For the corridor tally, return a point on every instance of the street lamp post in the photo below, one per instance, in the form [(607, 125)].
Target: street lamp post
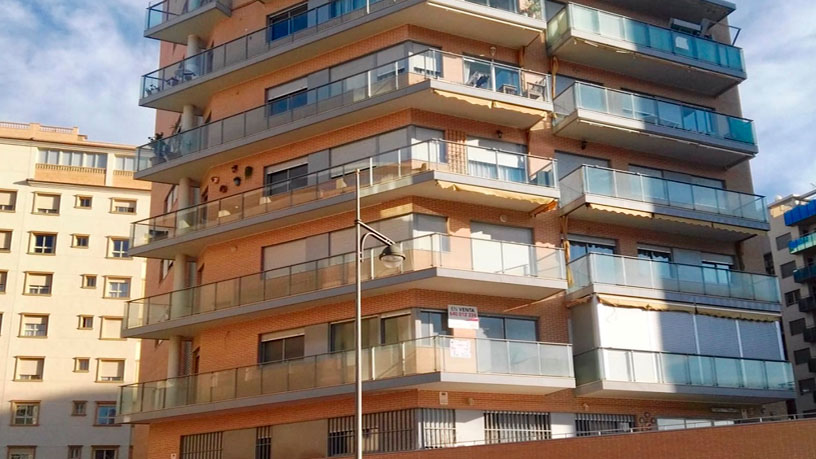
[(391, 257)]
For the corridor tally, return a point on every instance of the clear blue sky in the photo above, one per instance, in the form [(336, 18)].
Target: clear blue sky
[(78, 62)]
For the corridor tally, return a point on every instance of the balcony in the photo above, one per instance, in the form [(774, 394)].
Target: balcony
[(605, 40), (432, 80), (652, 203), (61, 173), (175, 20), (598, 273), (807, 304), (688, 10), (801, 214), (510, 23), (480, 365), (433, 262), (616, 373), (806, 274), (434, 169), (803, 244), (809, 335), (643, 123)]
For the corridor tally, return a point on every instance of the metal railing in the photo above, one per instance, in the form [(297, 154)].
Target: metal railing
[(800, 213), (606, 364), (805, 274), (427, 65), (296, 28), (602, 268), (432, 250), (616, 27), (161, 12), (802, 243), (431, 155), (654, 111), (589, 179), (418, 356)]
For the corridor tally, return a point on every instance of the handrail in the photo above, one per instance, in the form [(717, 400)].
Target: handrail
[(159, 12), (802, 242), (397, 163)]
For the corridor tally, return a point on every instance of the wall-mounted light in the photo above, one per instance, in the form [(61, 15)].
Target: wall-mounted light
[(248, 171), (499, 133)]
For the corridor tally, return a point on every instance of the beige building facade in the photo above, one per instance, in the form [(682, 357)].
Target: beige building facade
[(65, 271)]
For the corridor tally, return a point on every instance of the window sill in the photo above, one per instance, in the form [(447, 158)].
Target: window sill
[(112, 339), (51, 254), (32, 337), (28, 380), (46, 214), (37, 294), (119, 258), (107, 425), (24, 425), (79, 246), (110, 382), (115, 297)]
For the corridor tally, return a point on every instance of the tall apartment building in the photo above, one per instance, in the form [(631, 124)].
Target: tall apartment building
[(575, 175), (66, 204), (792, 240)]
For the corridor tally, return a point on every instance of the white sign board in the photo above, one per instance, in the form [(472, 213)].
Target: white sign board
[(460, 348), (463, 317)]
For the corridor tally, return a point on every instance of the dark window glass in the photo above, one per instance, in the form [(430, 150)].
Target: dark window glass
[(491, 327), (433, 323), (797, 326), (807, 386), (579, 248), (282, 349), (782, 241), (520, 329), (801, 356), (787, 269), (792, 297)]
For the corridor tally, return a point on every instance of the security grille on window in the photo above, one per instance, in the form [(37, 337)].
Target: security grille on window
[(602, 424), (25, 413), (201, 446), (8, 200), (263, 442), (38, 284), (43, 243), (391, 431), (514, 426), (46, 203), (111, 371), (29, 369), (34, 326), (120, 248), (123, 206)]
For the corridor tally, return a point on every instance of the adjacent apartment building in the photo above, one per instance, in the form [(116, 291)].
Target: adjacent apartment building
[(66, 204), (792, 243), (574, 176)]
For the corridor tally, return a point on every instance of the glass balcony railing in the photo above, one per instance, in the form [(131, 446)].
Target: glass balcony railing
[(427, 65), (599, 268), (800, 213), (650, 110), (641, 34), (429, 251), (808, 273), (808, 241), (420, 356), (682, 369), (161, 12), (306, 24), (431, 155), (660, 191)]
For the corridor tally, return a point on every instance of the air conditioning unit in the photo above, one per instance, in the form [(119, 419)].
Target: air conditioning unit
[(684, 26)]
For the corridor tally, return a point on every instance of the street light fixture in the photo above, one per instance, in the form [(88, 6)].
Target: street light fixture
[(391, 257)]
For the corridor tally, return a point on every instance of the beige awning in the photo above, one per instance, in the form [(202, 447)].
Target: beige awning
[(620, 210), (661, 305), (688, 221), (740, 229), (468, 99), (519, 109), (541, 200)]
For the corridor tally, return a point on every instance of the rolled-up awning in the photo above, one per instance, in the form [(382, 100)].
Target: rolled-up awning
[(662, 305), (540, 200), (620, 210), (468, 99)]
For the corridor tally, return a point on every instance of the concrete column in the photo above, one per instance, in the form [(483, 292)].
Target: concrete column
[(193, 45), (173, 386), (188, 117), (193, 66), (184, 190), (184, 219)]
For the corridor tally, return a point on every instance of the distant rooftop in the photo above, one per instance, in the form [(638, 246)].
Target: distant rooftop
[(53, 134)]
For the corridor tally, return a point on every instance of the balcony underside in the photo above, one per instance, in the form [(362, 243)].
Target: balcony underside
[(198, 22), (644, 63), (660, 391), (438, 381), (439, 279), (457, 17), (673, 143), (430, 184), (687, 10), (653, 217), (724, 306), (429, 95)]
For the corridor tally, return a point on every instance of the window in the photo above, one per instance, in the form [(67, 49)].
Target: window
[(105, 414), (802, 356), (797, 326), (82, 364), (782, 241), (43, 243), (512, 426), (600, 424), (125, 163), (807, 386), (580, 246), (21, 452), (79, 408), (433, 323), (75, 452), (34, 326), (84, 202), (769, 264), (104, 452), (276, 350), (85, 322), (111, 328), (568, 162), (792, 297), (165, 268), (5, 240), (507, 328), (342, 334), (288, 21), (80, 241), (8, 200), (73, 158), (29, 369), (283, 180), (38, 283), (119, 247), (390, 431), (3, 280), (25, 413), (786, 270), (109, 370), (45, 203), (396, 329), (89, 281), (123, 206), (171, 198), (117, 288)]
